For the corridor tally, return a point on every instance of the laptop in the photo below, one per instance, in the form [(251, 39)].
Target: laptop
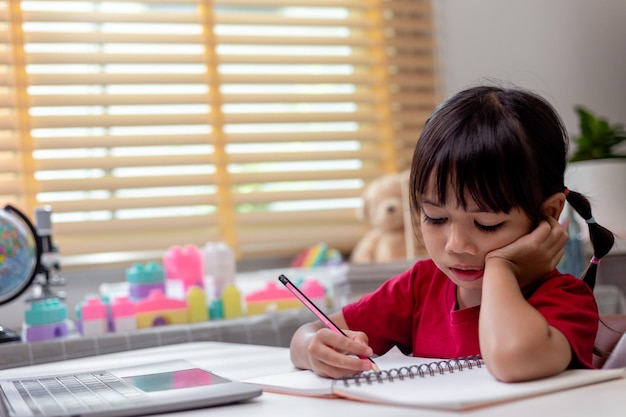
[(125, 391)]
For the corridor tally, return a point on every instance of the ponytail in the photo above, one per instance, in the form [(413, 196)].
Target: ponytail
[(601, 238)]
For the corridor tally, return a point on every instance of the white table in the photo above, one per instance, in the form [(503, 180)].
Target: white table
[(242, 361)]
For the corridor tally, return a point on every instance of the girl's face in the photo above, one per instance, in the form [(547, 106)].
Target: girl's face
[(457, 240)]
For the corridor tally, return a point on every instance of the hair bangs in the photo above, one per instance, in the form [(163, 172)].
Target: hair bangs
[(477, 173), (479, 158)]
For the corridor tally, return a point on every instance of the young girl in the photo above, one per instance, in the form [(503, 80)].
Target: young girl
[(487, 182)]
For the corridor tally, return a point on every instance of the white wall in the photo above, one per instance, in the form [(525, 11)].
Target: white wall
[(570, 51)]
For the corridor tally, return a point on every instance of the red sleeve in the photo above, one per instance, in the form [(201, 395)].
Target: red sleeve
[(568, 304)]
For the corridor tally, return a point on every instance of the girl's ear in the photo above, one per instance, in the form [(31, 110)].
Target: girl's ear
[(553, 205)]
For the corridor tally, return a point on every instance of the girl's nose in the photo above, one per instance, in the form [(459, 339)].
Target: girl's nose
[(459, 241)]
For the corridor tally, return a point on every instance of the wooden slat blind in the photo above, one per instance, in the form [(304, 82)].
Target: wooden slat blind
[(147, 124)]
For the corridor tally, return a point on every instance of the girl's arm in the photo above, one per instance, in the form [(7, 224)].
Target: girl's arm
[(516, 341), (314, 346)]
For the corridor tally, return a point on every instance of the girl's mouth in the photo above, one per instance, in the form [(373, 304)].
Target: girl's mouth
[(468, 275)]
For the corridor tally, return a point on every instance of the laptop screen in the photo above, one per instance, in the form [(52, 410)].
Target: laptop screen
[(165, 381)]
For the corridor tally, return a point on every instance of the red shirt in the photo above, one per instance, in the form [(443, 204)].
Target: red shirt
[(416, 311)]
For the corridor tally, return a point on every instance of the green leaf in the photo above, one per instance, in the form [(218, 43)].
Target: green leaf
[(597, 137)]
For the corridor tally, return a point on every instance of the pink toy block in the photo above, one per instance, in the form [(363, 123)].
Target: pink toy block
[(157, 310), (93, 309), (122, 307), (313, 289), (270, 292), (139, 291), (273, 297), (94, 317), (157, 301), (123, 314), (185, 264)]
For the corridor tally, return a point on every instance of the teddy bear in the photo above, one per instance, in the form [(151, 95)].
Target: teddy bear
[(385, 210)]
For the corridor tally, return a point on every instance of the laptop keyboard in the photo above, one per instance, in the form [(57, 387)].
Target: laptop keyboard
[(76, 393)]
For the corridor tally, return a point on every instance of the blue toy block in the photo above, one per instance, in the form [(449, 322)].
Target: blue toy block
[(151, 272), (216, 310), (47, 311)]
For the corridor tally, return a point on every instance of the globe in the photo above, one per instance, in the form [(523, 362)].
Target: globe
[(18, 256)]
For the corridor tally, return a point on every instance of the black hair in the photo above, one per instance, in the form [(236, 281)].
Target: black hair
[(601, 238), (507, 148)]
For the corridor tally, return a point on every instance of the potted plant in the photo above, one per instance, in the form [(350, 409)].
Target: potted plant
[(598, 169), (598, 138)]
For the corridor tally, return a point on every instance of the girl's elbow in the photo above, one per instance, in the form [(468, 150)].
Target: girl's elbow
[(521, 365), (509, 373), (523, 373)]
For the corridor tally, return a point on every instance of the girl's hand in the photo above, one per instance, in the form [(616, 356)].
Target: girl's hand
[(533, 255), (332, 355)]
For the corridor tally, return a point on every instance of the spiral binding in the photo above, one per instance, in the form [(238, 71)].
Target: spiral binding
[(413, 371)]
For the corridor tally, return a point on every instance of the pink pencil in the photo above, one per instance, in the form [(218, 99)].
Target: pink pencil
[(319, 313)]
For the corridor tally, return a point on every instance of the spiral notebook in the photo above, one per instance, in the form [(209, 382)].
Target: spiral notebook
[(458, 384)]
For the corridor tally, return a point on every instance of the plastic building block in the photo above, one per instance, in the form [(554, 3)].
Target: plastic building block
[(94, 317), (45, 320), (123, 315), (47, 311), (216, 309), (143, 274), (318, 255), (231, 302), (219, 266), (44, 332), (141, 291), (142, 279), (270, 292), (184, 264), (273, 297), (158, 310), (270, 298), (198, 310), (94, 309), (316, 292)]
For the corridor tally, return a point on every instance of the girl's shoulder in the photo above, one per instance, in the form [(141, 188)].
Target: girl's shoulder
[(557, 281), (566, 279), (425, 267), (422, 271), (425, 273)]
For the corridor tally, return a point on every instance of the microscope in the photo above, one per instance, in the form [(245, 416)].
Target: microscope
[(50, 261)]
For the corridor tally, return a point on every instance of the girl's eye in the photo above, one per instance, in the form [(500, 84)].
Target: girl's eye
[(434, 221), (489, 229)]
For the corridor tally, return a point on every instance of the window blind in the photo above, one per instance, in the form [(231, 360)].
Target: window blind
[(148, 124)]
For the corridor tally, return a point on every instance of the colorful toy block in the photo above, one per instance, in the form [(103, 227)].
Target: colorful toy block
[(184, 269), (158, 310), (318, 255), (123, 315), (216, 309), (196, 302), (219, 266), (94, 317), (273, 298), (231, 302), (315, 291), (45, 320), (142, 279)]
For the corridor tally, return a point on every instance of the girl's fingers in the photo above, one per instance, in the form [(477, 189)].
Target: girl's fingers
[(332, 354)]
